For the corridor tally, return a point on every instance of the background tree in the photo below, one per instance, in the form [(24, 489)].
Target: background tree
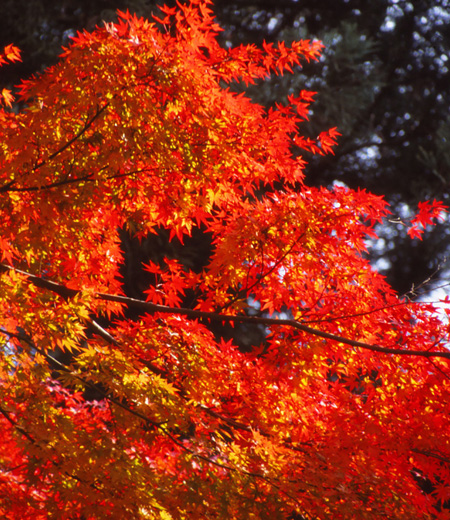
[(344, 406)]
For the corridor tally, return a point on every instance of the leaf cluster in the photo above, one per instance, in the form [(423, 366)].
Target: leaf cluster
[(341, 409)]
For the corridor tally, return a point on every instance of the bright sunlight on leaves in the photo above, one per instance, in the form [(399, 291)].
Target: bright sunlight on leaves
[(114, 407)]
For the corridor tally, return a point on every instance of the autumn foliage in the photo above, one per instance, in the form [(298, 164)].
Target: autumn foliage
[(341, 412)]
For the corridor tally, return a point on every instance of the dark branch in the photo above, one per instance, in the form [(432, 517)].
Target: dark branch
[(86, 126), (66, 293), (152, 307), (52, 185), (14, 424), (9, 185)]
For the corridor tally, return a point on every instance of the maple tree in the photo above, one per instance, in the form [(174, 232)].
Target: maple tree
[(340, 413)]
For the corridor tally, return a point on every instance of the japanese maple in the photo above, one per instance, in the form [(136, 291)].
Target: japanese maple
[(342, 412)]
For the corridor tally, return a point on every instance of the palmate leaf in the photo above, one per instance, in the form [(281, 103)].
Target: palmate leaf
[(428, 212)]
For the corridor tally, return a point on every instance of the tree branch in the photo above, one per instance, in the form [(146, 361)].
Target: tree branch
[(192, 313), (66, 293), (66, 145), (14, 424), (87, 177), (9, 186)]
